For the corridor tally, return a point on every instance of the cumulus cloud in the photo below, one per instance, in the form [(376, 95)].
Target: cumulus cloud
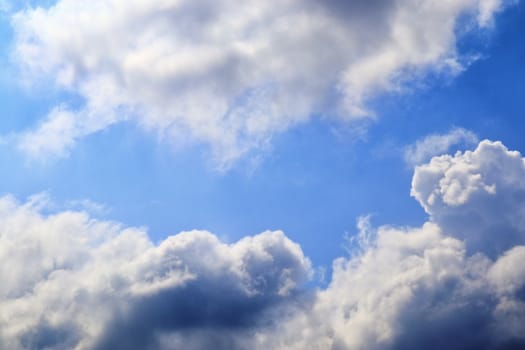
[(456, 282), (476, 196), (437, 144), (414, 289), (229, 73), (69, 281)]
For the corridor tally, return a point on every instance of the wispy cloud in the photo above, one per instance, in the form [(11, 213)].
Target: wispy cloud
[(5, 6), (436, 144), (87, 205)]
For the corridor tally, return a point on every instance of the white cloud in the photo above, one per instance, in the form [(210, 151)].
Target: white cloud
[(456, 282), (67, 279), (88, 206), (228, 73), (414, 289), (476, 195), (437, 144)]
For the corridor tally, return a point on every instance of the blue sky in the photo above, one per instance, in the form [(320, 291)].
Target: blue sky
[(334, 153), (314, 182)]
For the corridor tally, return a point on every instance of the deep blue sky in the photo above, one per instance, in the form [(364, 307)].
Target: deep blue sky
[(313, 184)]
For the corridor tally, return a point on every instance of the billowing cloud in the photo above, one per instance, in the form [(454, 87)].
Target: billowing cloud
[(415, 289), (436, 144), (456, 282), (229, 73), (69, 281), (477, 196)]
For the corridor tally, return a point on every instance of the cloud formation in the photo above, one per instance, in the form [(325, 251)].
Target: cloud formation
[(226, 73), (476, 196), (69, 281), (436, 144), (456, 282)]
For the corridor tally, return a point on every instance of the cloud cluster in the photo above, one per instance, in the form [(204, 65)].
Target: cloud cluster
[(415, 289), (71, 282), (456, 282), (226, 73)]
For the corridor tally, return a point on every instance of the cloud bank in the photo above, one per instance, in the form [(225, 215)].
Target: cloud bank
[(456, 282), (226, 73), (71, 282)]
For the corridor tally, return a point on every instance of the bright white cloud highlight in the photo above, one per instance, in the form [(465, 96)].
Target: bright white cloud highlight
[(229, 73)]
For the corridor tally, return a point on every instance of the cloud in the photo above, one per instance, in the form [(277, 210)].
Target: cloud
[(412, 289), (225, 73), (437, 144), (55, 135), (89, 206), (476, 196), (69, 281), (456, 282)]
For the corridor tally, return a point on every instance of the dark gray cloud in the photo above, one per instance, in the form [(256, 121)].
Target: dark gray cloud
[(372, 11), (212, 305), (46, 336)]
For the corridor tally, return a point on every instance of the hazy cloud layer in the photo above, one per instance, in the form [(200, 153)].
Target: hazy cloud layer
[(456, 282), (4, 6), (226, 73)]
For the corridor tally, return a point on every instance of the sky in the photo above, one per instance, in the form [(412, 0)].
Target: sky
[(299, 174)]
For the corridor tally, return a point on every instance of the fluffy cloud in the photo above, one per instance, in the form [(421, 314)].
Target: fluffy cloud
[(72, 282), (229, 73), (69, 281), (457, 282), (414, 289), (477, 196)]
